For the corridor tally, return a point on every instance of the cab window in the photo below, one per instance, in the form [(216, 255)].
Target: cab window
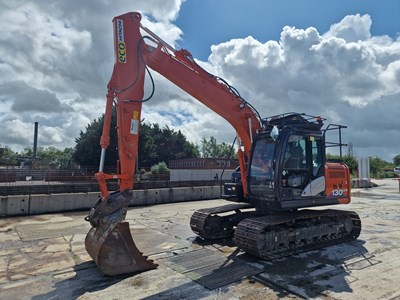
[(295, 153)]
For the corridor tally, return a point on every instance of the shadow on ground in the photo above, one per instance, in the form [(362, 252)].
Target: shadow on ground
[(84, 278), (320, 272)]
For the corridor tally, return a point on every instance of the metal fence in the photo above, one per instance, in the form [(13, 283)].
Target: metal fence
[(24, 181)]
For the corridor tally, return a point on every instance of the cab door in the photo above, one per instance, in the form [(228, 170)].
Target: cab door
[(302, 167)]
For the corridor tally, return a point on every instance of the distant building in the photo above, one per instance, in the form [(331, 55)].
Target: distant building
[(203, 163), (198, 169)]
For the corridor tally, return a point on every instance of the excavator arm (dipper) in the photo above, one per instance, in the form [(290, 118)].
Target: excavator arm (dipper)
[(109, 242)]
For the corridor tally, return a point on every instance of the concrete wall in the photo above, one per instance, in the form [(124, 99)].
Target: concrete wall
[(38, 204), (362, 183), (14, 205), (197, 175)]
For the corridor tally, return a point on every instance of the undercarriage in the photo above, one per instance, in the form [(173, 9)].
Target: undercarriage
[(278, 235)]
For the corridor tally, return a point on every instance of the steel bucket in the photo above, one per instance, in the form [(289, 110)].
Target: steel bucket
[(109, 242)]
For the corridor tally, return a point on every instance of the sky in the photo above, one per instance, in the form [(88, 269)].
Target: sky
[(335, 58)]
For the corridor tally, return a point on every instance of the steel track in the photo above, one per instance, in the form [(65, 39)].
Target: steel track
[(276, 236), (209, 225)]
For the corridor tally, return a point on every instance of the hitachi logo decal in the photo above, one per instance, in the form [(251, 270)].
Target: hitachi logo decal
[(120, 30)]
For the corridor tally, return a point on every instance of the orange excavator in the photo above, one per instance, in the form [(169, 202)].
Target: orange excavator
[(283, 166)]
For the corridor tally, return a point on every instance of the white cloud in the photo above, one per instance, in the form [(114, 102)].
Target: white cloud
[(42, 50), (56, 59), (345, 74), (27, 98), (352, 28)]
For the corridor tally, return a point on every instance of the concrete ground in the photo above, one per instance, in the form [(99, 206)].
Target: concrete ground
[(43, 257)]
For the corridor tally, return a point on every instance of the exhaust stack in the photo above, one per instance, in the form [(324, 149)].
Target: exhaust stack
[(35, 138)]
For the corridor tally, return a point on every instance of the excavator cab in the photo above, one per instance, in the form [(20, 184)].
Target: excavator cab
[(287, 168)]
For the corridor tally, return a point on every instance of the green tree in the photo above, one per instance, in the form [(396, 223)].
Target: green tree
[(352, 163), (87, 148), (7, 156), (211, 148), (148, 150), (155, 145), (59, 158), (27, 152), (396, 160), (163, 144), (63, 158), (160, 168), (377, 165)]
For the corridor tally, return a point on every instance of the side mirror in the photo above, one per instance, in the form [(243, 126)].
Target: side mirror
[(274, 133)]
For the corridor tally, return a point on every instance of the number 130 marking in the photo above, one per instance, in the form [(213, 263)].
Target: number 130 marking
[(337, 193)]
